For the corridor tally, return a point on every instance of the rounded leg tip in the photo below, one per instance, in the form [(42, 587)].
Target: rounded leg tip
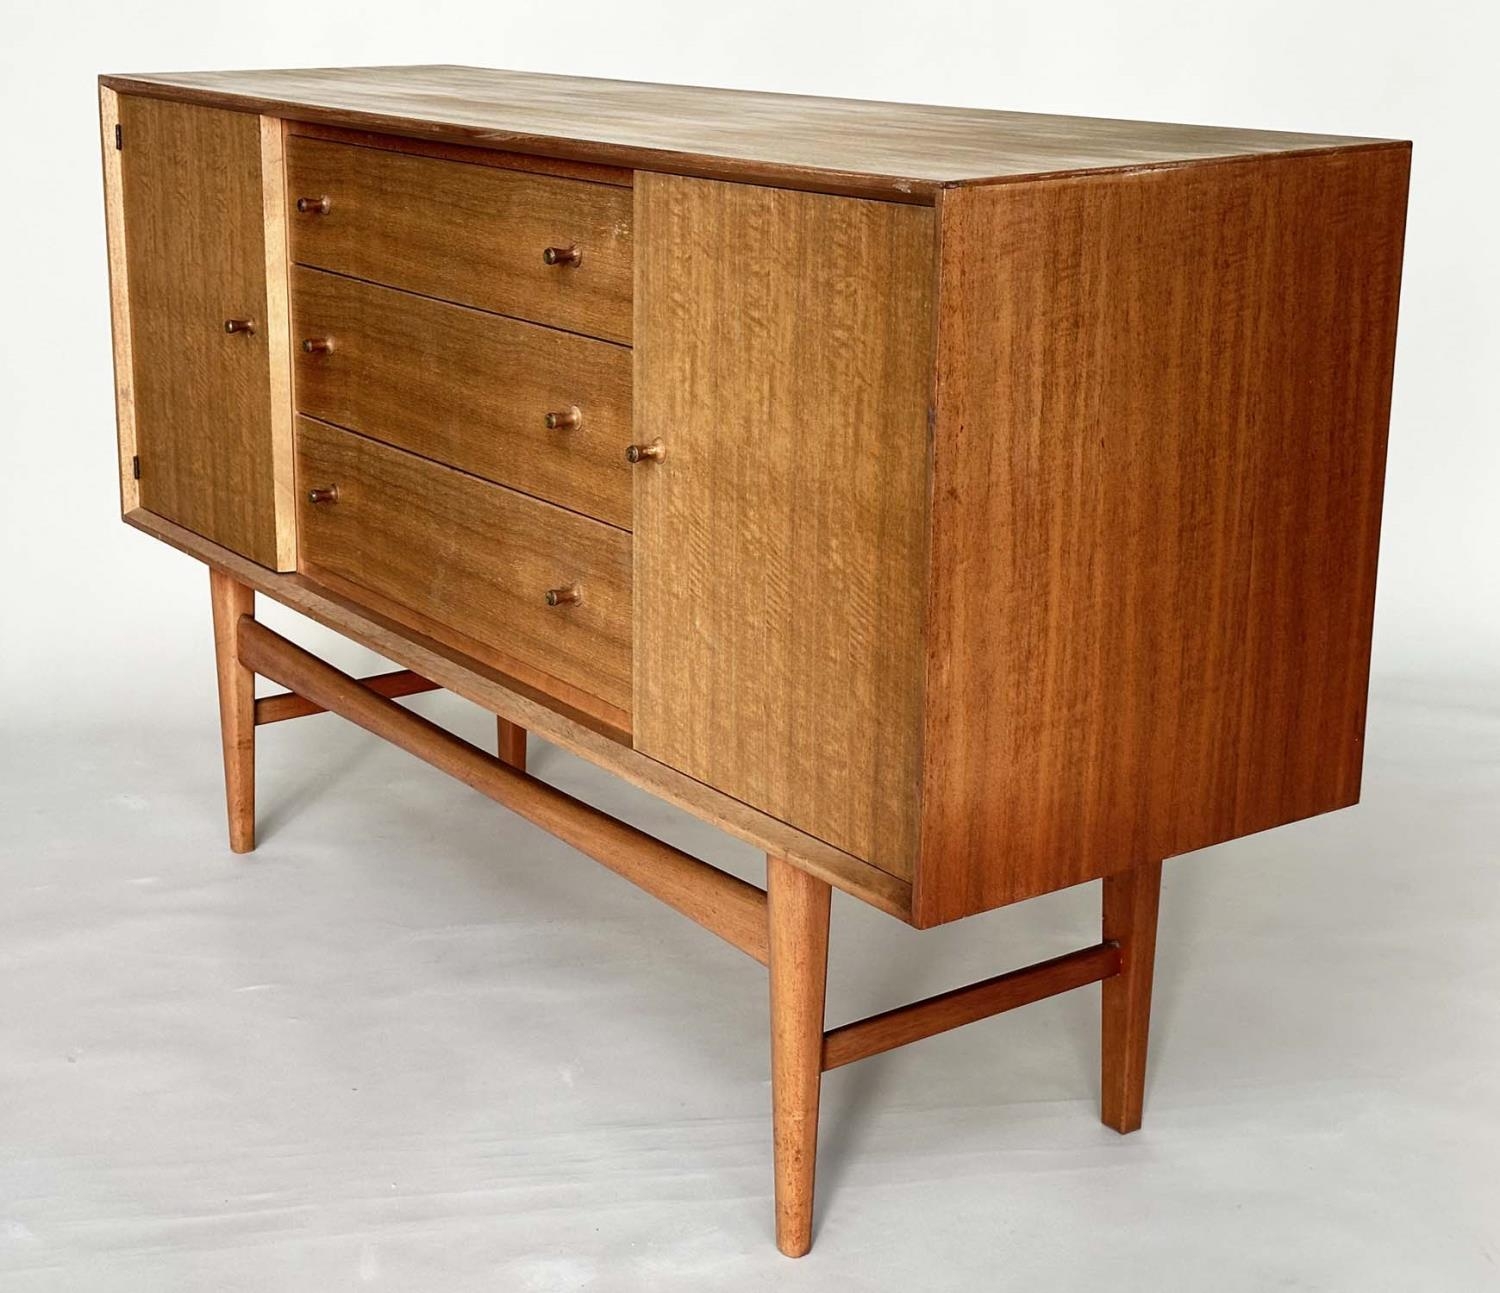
[(794, 1245)]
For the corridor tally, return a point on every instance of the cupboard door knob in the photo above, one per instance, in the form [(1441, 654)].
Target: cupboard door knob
[(318, 345), (564, 596), (246, 326), (313, 206), (568, 419), (323, 494), (563, 256), (654, 452)]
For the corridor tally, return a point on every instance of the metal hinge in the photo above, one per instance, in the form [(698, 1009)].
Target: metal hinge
[(135, 466), (119, 138)]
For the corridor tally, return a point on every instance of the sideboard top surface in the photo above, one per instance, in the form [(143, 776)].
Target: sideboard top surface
[(850, 146)]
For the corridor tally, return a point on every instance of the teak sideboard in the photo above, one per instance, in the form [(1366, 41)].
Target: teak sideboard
[(956, 505)]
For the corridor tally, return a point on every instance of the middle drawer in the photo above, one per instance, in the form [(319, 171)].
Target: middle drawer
[(467, 388)]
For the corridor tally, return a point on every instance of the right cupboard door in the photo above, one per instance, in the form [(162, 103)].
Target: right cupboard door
[(783, 361)]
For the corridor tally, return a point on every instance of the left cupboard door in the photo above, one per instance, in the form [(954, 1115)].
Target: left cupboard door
[(196, 207)]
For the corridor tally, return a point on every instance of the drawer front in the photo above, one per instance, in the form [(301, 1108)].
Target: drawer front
[(469, 556), (468, 388), (465, 232)]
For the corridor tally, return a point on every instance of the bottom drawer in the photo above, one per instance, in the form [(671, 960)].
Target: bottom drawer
[(475, 557)]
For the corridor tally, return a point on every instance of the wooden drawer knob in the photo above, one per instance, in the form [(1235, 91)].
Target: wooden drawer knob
[(568, 419), (247, 326), (653, 452), (318, 345), (562, 256), (313, 206), (323, 494), (564, 596)]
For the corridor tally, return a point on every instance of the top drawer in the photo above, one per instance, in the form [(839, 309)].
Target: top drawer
[(465, 232)]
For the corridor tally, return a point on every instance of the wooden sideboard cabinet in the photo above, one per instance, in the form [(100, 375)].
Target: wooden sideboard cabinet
[(955, 505)]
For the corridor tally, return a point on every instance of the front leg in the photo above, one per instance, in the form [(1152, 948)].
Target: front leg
[(797, 907), (231, 600), (1131, 901)]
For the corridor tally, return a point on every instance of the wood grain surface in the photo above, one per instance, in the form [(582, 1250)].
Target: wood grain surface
[(510, 744), (228, 601), (783, 358), (499, 693), (797, 908), (522, 674), (463, 553), (471, 234), (1132, 901), (1162, 404), (621, 175), (212, 409), (894, 150), (468, 388), (119, 298)]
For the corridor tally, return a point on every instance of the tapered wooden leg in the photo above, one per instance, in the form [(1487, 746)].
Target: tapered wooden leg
[(512, 743), (1131, 899), (797, 905), (236, 708)]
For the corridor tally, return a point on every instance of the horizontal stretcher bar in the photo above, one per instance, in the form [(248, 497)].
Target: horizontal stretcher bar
[(279, 708), (721, 903), (893, 1028)]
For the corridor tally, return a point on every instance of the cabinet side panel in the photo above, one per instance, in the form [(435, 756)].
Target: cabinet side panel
[(1162, 404), (783, 358), (195, 234)]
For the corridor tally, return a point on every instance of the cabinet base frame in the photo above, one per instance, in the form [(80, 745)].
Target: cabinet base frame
[(784, 927)]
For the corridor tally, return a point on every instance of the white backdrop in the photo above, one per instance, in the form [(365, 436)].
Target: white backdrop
[(101, 620), (412, 1044)]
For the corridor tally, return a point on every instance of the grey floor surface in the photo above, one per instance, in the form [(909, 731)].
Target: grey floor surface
[(414, 1044)]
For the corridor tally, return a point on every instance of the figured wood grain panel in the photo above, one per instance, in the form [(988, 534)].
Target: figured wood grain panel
[(471, 556), (465, 233), (468, 388), (783, 359), (1162, 404), (212, 409), (899, 151)]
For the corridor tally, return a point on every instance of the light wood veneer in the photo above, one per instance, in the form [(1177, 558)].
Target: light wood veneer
[(472, 234), (471, 556), (467, 388), (784, 349), (210, 409)]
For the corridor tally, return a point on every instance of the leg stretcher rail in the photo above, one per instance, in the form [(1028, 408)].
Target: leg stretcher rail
[(784, 926)]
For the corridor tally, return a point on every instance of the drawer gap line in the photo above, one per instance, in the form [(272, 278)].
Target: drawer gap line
[(448, 466), (465, 305)]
